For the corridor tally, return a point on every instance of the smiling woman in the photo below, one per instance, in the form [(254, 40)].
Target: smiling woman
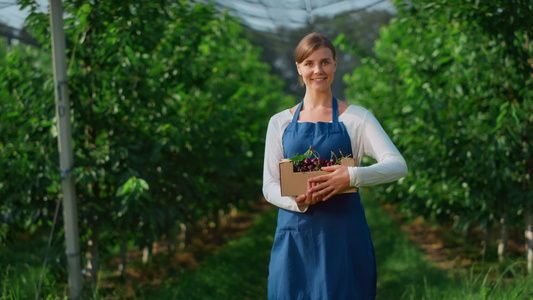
[(322, 248), (312, 51), (318, 69)]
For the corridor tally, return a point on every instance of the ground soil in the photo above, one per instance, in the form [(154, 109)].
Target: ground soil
[(167, 261), (447, 247), (442, 245)]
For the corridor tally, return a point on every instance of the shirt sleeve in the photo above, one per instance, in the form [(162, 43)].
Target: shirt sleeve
[(369, 138), (273, 154)]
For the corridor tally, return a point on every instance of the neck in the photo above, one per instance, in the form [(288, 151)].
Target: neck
[(315, 99)]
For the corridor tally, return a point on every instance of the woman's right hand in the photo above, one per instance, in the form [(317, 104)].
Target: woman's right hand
[(307, 198)]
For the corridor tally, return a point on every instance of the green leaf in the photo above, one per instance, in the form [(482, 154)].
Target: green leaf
[(298, 158), (501, 116), (459, 90)]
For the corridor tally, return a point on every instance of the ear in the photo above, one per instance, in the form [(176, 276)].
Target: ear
[(298, 68)]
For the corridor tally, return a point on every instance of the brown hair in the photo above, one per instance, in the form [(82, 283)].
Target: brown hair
[(308, 44)]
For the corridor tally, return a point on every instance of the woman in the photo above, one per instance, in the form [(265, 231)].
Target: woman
[(322, 247)]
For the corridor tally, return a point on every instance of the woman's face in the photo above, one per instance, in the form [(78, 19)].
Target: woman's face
[(318, 69)]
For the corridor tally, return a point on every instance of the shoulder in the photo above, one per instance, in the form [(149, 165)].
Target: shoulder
[(342, 106), (293, 109), (281, 118), (354, 113)]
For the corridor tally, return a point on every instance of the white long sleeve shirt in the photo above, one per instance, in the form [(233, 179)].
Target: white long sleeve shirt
[(367, 138)]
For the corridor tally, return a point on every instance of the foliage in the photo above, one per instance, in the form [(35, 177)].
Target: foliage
[(455, 95), (29, 181), (238, 271), (169, 105)]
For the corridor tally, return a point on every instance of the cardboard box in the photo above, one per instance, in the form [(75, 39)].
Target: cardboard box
[(295, 183)]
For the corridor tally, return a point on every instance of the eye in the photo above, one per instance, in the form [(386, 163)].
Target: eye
[(309, 64), (326, 62)]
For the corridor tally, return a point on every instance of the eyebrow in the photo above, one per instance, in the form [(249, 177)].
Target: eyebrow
[(323, 59)]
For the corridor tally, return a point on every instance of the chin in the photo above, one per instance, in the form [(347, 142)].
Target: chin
[(323, 88)]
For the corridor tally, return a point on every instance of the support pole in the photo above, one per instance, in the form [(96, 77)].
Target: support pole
[(529, 239), (70, 213)]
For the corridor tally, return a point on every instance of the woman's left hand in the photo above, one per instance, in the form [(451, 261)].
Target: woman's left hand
[(326, 186)]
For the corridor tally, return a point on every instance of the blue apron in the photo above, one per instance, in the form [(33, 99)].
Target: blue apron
[(326, 252)]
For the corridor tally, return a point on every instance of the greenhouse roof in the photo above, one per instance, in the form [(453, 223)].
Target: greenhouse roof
[(270, 15), (263, 15)]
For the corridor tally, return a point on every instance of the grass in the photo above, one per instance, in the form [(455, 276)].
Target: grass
[(21, 269), (402, 270), (239, 270)]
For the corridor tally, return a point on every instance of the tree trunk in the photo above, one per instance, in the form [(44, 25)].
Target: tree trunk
[(529, 239), (93, 243), (504, 235), (486, 240), (465, 231), (182, 237), (146, 254), (92, 255), (171, 242), (123, 252)]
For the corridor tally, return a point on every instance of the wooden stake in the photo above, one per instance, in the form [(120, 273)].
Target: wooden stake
[(70, 213)]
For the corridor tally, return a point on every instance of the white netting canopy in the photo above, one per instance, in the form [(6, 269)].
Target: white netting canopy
[(263, 15), (270, 15)]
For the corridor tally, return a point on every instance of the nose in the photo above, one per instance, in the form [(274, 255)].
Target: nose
[(318, 69)]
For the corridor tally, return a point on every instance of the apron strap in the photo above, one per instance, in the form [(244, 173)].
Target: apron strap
[(334, 111), (297, 113)]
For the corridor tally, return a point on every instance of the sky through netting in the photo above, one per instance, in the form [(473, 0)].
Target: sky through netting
[(263, 15)]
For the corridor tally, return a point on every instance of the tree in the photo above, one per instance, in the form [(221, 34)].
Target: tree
[(170, 107), (459, 107)]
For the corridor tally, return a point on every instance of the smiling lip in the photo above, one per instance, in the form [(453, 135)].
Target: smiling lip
[(319, 79)]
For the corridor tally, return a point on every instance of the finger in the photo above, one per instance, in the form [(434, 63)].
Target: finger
[(318, 179), (317, 187), (300, 198), (330, 168), (326, 197), (325, 193), (320, 198), (318, 195), (309, 198)]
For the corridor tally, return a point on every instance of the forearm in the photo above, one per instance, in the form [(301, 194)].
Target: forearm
[(388, 170), (272, 193), (271, 175)]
